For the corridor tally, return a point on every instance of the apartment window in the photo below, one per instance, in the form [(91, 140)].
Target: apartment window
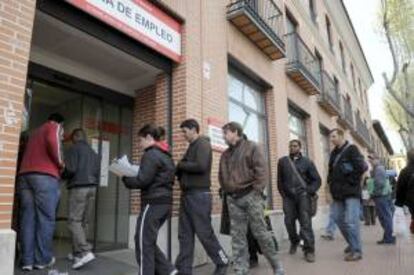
[(246, 106), (336, 83), (329, 32), (343, 63), (360, 89), (312, 10), (319, 59), (297, 128), (291, 23), (326, 146), (353, 76)]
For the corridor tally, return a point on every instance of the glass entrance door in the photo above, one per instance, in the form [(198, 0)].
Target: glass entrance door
[(108, 127)]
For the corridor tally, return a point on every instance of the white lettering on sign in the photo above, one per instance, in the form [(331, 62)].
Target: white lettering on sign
[(216, 136), (140, 20)]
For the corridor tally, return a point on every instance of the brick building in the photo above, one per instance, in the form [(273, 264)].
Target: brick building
[(284, 69)]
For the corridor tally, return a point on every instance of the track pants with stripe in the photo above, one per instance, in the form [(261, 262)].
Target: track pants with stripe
[(150, 258), (195, 220)]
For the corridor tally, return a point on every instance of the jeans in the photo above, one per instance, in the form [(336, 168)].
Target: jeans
[(39, 197), (331, 227), (81, 203), (385, 215), (346, 213)]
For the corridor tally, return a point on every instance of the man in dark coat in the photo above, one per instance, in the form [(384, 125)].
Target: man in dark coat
[(298, 180), (194, 173), (346, 167), (405, 187)]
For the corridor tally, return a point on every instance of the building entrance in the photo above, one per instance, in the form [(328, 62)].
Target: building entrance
[(109, 127)]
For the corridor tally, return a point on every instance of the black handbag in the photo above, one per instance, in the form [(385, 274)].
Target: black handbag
[(313, 198), (225, 217)]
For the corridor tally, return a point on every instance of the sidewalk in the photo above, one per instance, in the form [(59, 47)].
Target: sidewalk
[(378, 260)]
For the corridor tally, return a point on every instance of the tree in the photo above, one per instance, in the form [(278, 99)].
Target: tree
[(397, 22)]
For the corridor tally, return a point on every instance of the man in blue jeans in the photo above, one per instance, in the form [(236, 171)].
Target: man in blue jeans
[(382, 198), (346, 167), (38, 187)]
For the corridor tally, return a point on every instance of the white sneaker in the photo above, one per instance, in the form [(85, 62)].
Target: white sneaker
[(27, 268), (50, 264), (83, 261)]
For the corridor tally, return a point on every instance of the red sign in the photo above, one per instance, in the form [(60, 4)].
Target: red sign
[(140, 20)]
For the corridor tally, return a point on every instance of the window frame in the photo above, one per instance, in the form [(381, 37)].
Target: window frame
[(303, 116)]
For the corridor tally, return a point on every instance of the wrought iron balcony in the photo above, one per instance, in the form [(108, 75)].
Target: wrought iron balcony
[(361, 131), (302, 66), (346, 117), (262, 22), (329, 97)]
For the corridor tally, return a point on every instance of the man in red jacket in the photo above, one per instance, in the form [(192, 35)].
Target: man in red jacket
[(38, 186)]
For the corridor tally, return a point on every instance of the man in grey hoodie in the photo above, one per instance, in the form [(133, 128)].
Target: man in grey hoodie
[(382, 198)]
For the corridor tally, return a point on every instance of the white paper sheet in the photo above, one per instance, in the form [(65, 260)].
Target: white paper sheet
[(122, 167)]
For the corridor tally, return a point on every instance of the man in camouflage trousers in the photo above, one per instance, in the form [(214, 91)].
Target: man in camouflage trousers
[(243, 176)]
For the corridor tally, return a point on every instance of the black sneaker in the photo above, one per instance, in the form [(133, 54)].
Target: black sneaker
[(310, 257), (293, 249), (353, 257), (383, 242), (221, 270), (327, 237), (254, 263)]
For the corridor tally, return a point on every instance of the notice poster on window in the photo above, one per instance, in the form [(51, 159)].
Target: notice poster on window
[(216, 134), (103, 182)]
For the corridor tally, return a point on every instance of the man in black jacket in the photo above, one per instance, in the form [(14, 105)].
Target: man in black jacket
[(405, 187), (346, 167), (82, 171), (194, 172), (298, 181)]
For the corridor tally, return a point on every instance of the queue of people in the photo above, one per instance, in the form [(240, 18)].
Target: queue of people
[(243, 177)]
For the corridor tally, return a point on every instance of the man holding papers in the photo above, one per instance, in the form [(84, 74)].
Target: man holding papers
[(155, 180)]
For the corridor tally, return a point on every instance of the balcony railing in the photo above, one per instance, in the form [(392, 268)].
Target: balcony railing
[(302, 66), (262, 22), (362, 130), (346, 117), (329, 98)]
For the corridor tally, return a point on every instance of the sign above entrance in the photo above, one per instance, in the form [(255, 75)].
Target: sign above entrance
[(140, 20)]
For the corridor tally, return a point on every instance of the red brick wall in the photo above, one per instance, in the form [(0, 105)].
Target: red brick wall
[(16, 23)]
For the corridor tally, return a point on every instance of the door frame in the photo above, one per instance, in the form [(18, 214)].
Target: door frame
[(37, 74)]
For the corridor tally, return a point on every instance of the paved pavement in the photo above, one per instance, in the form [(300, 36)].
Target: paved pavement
[(378, 260)]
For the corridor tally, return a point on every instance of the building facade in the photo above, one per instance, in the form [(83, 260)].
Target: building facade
[(283, 69)]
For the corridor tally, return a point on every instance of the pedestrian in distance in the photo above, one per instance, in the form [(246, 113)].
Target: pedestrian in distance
[(194, 174), (243, 177), (298, 183), (82, 167), (39, 192), (155, 179), (381, 194), (346, 167)]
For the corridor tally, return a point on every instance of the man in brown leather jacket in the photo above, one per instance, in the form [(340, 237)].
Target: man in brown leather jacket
[(243, 176)]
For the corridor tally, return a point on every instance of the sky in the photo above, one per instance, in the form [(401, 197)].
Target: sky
[(364, 16)]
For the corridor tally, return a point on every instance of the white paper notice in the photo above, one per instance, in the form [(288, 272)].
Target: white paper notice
[(104, 160), (122, 167)]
